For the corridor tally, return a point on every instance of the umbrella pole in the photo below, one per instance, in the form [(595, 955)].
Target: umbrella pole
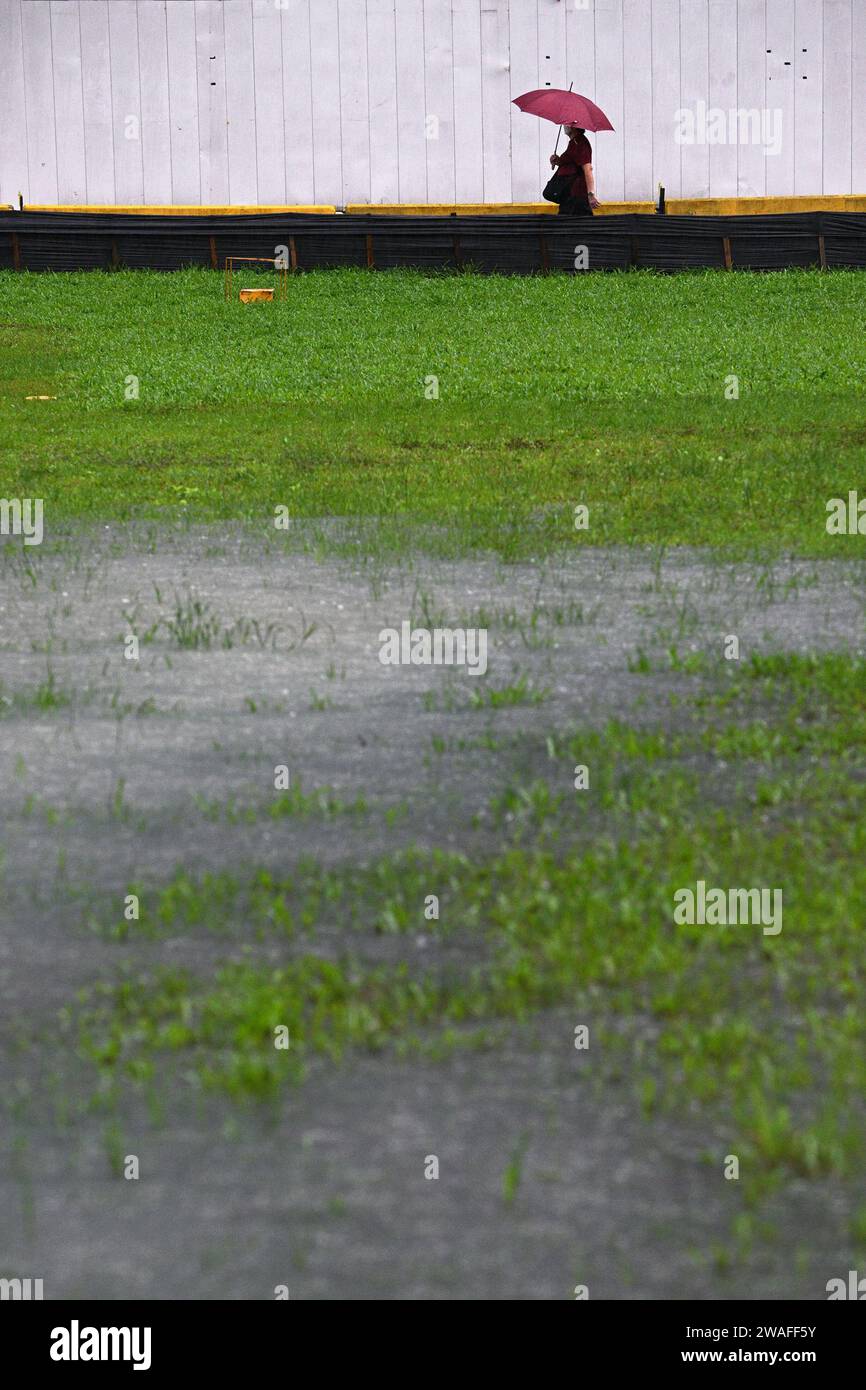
[(559, 132)]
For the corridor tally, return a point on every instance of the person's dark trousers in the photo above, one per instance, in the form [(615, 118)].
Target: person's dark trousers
[(575, 207)]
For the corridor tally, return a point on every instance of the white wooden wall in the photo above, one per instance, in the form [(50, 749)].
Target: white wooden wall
[(325, 101)]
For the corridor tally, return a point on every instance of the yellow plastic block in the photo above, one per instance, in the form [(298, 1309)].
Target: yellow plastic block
[(253, 296)]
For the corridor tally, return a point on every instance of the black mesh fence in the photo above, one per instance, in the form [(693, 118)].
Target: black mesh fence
[(504, 244)]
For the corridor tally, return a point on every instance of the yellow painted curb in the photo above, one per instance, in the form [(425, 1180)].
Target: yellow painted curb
[(739, 207), (676, 207), (446, 209), (174, 210)]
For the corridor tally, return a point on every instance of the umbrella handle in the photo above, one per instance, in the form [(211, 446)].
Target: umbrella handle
[(559, 132)]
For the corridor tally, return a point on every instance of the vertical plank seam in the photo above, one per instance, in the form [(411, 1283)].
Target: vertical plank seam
[(340, 103), (424, 70), (537, 49), (81, 87), (367, 85), (54, 102), (168, 97), (397, 106), (24, 99), (203, 152), (737, 94), (111, 103), (140, 104), (312, 112), (255, 103), (823, 171), (851, 109), (453, 105), (766, 66), (283, 107), (483, 121), (228, 122)]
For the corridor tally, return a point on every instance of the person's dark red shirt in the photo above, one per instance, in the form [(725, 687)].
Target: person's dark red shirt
[(577, 153)]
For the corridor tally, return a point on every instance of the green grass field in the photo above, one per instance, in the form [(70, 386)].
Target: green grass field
[(606, 390)]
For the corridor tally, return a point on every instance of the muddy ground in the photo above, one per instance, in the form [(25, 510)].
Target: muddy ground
[(107, 778)]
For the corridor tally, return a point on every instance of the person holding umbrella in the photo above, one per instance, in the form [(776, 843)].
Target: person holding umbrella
[(573, 184), (579, 198)]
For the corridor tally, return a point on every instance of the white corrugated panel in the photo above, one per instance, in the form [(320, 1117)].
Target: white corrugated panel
[(183, 102), (838, 38), (125, 101), (212, 111), (694, 94), (781, 96), (496, 100), (155, 111), (382, 68), (68, 103), (722, 95), (96, 89), (39, 101), (271, 101)]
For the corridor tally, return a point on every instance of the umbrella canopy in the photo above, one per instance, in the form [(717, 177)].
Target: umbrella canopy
[(563, 108)]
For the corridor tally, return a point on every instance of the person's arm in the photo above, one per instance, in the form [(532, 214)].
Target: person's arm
[(589, 175), (567, 156)]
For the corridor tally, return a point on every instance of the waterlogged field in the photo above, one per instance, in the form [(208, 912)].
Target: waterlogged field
[(370, 980), (491, 404)]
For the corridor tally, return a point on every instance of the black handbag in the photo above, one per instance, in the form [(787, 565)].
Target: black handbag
[(557, 189)]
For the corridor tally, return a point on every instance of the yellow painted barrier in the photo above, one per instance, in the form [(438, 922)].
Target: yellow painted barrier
[(173, 210), (743, 207), (676, 207), (446, 209)]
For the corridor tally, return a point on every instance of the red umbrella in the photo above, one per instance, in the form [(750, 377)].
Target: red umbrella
[(563, 108)]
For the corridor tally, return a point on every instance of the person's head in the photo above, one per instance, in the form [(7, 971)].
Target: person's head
[(574, 132)]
